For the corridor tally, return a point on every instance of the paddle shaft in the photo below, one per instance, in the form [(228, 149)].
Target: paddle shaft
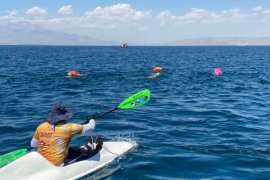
[(105, 113), (102, 114)]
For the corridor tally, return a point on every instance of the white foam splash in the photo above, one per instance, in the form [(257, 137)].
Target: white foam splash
[(128, 137)]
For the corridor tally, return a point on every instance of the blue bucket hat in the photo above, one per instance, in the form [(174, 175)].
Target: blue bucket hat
[(59, 113)]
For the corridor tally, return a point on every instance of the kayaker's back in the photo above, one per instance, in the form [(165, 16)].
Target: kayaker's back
[(53, 141)]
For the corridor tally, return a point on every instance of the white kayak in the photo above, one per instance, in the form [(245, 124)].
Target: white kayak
[(33, 166)]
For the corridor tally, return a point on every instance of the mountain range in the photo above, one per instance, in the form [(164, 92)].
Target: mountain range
[(24, 33), (221, 41)]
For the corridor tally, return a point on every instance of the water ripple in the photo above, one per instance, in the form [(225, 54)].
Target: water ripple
[(196, 125)]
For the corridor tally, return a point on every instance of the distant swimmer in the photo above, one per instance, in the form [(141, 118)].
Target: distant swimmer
[(217, 71), (73, 74), (157, 69), (154, 75)]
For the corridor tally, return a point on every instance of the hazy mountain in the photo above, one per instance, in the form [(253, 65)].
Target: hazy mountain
[(220, 41), (24, 33)]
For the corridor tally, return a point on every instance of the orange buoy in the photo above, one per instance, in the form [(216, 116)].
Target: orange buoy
[(73, 73), (157, 69)]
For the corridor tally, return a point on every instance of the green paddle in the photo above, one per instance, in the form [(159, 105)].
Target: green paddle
[(134, 101), (9, 157)]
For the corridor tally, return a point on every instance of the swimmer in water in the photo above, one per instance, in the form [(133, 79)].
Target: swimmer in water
[(73, 74), (157, 71)]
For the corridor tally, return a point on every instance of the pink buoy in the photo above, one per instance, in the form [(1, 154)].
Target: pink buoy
[(217, 71)]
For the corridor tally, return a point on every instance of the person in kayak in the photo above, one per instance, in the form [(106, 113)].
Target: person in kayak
[(54, 136)]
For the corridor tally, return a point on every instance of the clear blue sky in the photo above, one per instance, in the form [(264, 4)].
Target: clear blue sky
[(155, 5), (144, 20)]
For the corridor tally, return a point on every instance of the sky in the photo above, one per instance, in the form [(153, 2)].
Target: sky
[(143, 21)]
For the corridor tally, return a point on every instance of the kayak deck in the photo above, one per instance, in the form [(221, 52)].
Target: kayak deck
[(33, 166)]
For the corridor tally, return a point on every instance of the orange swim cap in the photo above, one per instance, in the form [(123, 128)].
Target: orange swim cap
[(157, 69), (73, 73)]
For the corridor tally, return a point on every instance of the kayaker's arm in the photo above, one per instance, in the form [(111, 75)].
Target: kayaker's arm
[(89, 127), (34, 142)]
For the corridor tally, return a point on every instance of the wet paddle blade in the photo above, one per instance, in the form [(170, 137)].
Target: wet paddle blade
[(9, 157), (136, 100)]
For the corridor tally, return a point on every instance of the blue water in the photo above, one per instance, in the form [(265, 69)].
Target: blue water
[(196, 125)]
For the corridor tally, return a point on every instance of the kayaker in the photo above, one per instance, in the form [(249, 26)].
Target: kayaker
[(53, 137)]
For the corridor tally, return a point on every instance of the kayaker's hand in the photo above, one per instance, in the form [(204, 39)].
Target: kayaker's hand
[(90, 126), (92, 122)]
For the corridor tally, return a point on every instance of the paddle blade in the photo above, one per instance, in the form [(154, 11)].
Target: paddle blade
[(136, 100), (9, 157)]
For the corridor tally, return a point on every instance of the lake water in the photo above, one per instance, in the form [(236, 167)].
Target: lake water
[(196, 125)]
